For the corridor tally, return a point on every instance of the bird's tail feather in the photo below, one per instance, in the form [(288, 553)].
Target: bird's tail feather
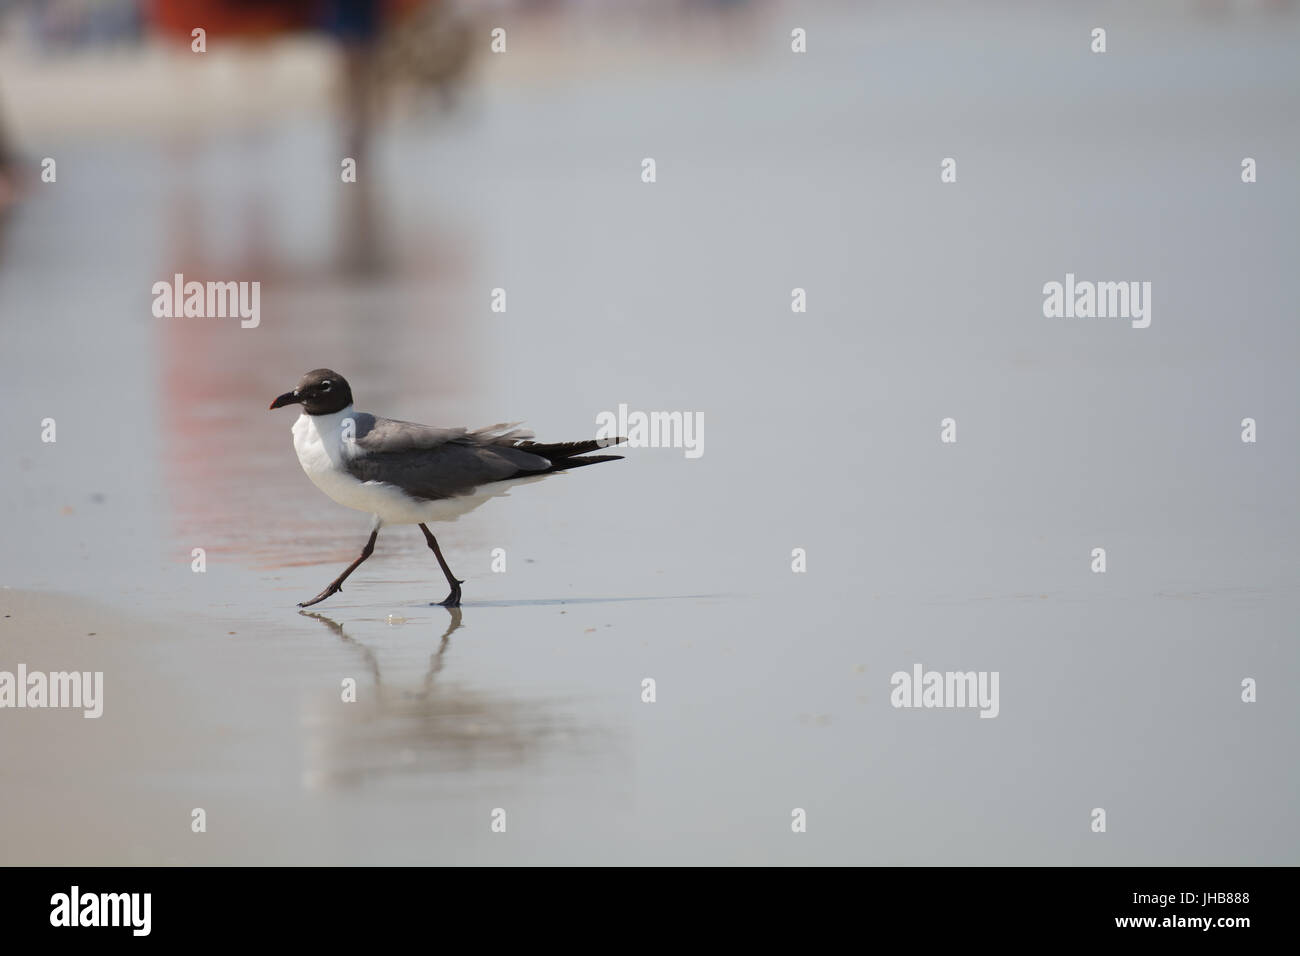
[(568, 449), (568, 454)]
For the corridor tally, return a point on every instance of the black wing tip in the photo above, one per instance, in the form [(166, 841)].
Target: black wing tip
[(579, 460), (564, 464), (566, 449)]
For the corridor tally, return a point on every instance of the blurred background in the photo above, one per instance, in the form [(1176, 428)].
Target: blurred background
[(521, 170)]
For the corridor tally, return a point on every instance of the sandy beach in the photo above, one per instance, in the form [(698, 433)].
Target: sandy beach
[(167, 535)]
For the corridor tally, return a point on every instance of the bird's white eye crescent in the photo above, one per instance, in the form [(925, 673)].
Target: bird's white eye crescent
[(325, 386)]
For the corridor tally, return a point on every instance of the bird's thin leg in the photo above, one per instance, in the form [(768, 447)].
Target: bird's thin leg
[(452, 599), (337, 583)]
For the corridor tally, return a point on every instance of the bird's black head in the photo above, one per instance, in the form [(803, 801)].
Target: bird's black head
[(321, 391)]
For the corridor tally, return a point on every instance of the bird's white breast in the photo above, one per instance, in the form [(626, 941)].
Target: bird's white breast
[(318, 440)]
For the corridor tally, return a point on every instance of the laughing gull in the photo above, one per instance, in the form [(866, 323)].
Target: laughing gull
[(404, 473)]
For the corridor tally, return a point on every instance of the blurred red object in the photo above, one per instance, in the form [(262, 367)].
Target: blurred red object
[(237, 18), (268, 18)]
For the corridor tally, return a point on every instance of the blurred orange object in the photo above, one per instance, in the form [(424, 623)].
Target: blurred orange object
[(267, 18), (229, 18)]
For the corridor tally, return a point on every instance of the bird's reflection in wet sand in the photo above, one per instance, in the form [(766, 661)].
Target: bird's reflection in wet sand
[(400, 729)]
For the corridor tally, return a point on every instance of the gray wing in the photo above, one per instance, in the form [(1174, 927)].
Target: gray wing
[(430, 462)]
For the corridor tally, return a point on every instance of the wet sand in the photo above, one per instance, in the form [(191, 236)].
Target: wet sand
[(112, 790)]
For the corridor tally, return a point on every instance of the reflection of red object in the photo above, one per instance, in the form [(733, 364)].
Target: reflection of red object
[(230, 17)]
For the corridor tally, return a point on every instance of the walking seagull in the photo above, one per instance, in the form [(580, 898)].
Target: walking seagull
[(404, 473)]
